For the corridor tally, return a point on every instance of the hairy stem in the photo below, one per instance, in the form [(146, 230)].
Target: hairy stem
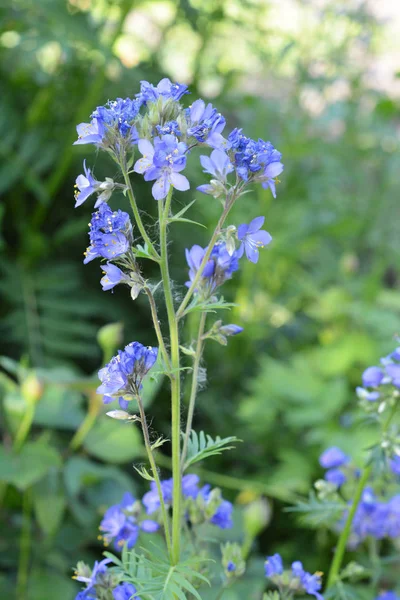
[(217, 231), (136, 214), (344, 536), (154, 469), (87, 423), (175, 379), (193, 390), (157, 328)]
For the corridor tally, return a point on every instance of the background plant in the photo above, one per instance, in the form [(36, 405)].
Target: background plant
[(327, 290)]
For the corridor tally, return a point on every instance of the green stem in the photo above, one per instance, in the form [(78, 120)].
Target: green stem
[(150, 456), (217, 231), (193, 391), (24, 427), (157, 328), (86, 424), (25, 547), (175, 379), (342, 543), (136, 213)]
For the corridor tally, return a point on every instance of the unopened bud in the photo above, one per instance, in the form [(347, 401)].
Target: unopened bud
[(256, 516), (109, 337), (32, 389)]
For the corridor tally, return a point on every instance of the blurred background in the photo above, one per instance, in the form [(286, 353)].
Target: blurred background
[(318, 78)]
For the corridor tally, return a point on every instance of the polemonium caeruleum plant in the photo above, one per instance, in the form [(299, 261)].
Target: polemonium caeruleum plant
[(153, 135)]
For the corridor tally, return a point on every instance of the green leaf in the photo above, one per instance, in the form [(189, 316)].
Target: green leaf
[(201, 446), (209, 306), (114, 441), (184, 209), (34, 461), (179, 220), (59, 408), (49, 502)]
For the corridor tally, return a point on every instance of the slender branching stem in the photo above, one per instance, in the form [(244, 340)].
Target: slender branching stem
[(175, 379), (136, 214), (157, 328), (25, 426), (194, 284), (156, 476), (344, 536), (87, 423), (193, 390)]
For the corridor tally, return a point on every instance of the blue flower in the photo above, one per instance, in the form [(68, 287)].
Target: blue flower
[(90, 133), (163, 163), (388, 595), (396, 354), (110, 234), (230, 329), (219, 166), (273, 565), (164, 90), (124, 374), (335, 476), (310, 583), (85, 184), (112, 276), (333, 457), (119, 524), (125, 591), (205, 124), (218, 269), (151, 499), (395, 465), (255, 160), (117, 116), (222, 518), (394, 373), (231, 567), (91, 578), (364, 394), (372, 377), (253, 238), (170, 127)]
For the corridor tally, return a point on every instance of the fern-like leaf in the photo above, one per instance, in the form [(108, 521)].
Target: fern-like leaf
[(201, 446)]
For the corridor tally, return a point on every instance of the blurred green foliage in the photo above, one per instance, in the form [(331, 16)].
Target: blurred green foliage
[(322, 303)]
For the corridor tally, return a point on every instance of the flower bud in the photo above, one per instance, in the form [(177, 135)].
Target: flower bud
[(31, 388), (109, 337), (256, 516), (232, 560)]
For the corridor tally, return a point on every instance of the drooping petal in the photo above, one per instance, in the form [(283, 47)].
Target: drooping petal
[(216, 140), (160, 188), (197, 110), (221, 162), (206, 188), (207, 165), (273, 169), (180, 182), (252, 252)]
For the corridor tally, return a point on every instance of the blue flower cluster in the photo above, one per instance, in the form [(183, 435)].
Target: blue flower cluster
[(218, 269), (165, 132), (335, 461), (376, 518), (379, 382), (122, 377), (256, 160), (110, 234), (99, 581), (388, 595), (203, 504), (297, 580)]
